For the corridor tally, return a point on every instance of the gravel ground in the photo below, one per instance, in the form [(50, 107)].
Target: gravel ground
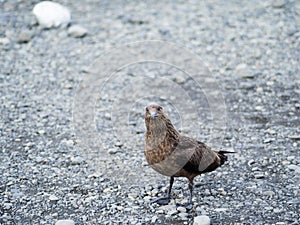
[(252, 51)]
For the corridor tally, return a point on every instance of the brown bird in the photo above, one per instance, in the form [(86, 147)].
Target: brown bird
[(174, 155)]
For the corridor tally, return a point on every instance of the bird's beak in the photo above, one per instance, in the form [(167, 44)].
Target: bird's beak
[(153, 114)]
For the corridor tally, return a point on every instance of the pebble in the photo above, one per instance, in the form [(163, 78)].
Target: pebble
[(269, 140), (201, 220), (94, 175), (77, 31), (179, 79), (154, 219), (259, 175), (259, 89), (172, 212), (7, 205), (291, 157), (183, 215), (51, 14), (221, 209), (269, 193), (241, 66), (294, 137), (69, 142), (113, 151), (279, 4), (65, 222), (285, 162), (53, 198), (294, 167), (181, 209), (147, 198), (76, 160), (277, 210), (41, 132), (24, 36), (4, 41), (250, 162), (118, 144)]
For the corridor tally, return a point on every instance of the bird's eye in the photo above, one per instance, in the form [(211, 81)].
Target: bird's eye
[(159, 108), (147, 110)]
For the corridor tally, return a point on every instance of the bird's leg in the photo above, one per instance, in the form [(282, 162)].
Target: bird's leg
[(189, 205), (164, 200)]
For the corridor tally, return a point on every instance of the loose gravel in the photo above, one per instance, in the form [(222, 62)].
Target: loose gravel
[(252, 50)]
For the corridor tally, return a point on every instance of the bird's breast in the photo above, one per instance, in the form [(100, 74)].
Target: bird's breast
[(162, 159), (157, 154)]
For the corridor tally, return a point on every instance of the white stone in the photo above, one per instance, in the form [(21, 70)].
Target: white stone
[(154, 218), (201, 220), (179, 79), (181, 209), (77, 31), (69, 142), (4, 41), (53, 198), (51, 14), (241, 66), (65, 222), (294, 167)]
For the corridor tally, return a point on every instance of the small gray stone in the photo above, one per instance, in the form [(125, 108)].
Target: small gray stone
[(277, 210), (241, 66), (181, 209), (7, 205), (221, 209), (77, 31), (113, 151), (76, 160), (65, 222), (118, 144), (179, 79), (259, 175), (69, 142), (279, 3), (201, 220), (53, 198), (294, 137), (269, 193), (172, 212), (41, 132), (183, 215), (294, 167), (4, 41), (24, 36), (250, 162), (154, 219)]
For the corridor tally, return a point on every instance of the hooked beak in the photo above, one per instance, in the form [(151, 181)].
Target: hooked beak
[(153, 114)]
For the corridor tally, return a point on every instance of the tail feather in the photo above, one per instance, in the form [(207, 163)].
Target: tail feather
[(222, 156)]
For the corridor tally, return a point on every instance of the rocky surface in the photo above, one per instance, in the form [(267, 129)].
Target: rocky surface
[(252, 50)]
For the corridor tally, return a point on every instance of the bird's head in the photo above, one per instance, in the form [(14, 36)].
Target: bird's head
[(158, 125), (154, 112)]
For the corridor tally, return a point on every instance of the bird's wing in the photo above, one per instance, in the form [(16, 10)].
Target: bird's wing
[(199, 157)]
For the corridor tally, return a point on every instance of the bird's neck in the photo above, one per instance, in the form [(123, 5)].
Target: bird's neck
[(161, 129)]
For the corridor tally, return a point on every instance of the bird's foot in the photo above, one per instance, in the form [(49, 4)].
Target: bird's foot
[(188, 205), (161, 200)]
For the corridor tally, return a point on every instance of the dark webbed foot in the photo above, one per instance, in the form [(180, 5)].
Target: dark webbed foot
[(188, 205), (161, 200), (164, 200)]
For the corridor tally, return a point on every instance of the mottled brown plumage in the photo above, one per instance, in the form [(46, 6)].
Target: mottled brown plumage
[(174, 155)]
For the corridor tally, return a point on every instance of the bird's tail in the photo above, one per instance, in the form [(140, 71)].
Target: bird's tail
[(222, 156)]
